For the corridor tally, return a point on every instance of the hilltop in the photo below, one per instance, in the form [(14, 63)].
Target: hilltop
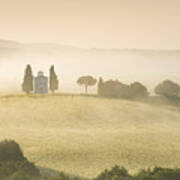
[(84, 135)]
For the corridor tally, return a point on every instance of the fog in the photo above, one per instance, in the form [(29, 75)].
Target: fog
[(147, 66)]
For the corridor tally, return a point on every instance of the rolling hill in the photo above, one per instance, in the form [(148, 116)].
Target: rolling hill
[(84, 135)]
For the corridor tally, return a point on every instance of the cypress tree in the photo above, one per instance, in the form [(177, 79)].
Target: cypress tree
[(100, 87), (27, 85), (53, 80)]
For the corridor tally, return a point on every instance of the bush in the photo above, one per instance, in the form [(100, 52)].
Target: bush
[(144, 175), (20, 175), (116, 173), (167, 174), (159, 174)]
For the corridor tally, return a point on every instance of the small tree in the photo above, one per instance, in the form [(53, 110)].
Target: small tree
[(138, 90), (27, 85), (86, 81), (167, 88), (53, 80)]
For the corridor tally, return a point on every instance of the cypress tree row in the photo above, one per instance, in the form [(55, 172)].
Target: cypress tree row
[(53, 80), (27, 85)]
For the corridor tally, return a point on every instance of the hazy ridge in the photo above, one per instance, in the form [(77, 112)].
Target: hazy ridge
[(147, 66)]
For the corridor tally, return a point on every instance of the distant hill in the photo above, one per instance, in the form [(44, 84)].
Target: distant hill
[(127, 65), (8, 44)]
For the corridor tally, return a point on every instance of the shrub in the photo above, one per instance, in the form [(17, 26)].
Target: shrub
[(158, 174), (20, 175), (167, 174), (144, 175), (116, 173)]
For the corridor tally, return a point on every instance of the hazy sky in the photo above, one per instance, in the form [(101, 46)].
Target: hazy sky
[(153, 24)]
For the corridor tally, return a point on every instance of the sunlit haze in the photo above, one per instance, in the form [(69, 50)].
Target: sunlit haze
[(68, 31), (138, 24)]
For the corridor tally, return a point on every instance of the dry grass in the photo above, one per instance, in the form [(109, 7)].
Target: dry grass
[(84, 135)]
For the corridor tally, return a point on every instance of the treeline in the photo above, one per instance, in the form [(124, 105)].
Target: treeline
[(157, 173), (110, 88), (14, 166), (117, 89)]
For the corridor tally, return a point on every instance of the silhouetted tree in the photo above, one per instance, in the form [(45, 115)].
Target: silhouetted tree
[(53, 80), (138, 90), (27, 85), (100, 86), (86, 81), (10, 151), (167, 88), (13, 164)]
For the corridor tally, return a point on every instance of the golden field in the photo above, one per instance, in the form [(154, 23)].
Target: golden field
[(84, 135)]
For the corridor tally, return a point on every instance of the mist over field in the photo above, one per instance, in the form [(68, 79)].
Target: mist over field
[(85, 135), (127, 65)]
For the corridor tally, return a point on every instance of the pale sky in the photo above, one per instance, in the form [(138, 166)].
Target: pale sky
[(142, 24)]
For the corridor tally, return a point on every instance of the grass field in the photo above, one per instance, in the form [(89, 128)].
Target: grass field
[(85, 135)]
